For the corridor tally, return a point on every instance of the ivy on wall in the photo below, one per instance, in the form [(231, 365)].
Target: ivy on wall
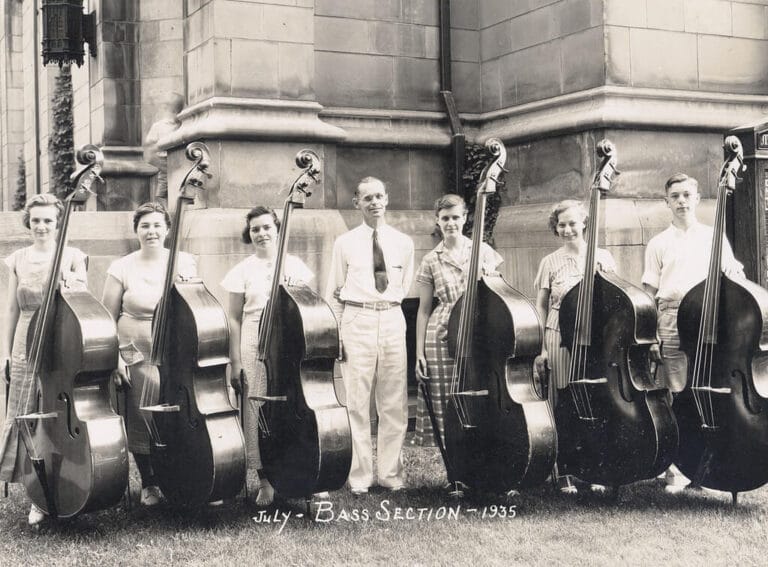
[(61, 145), (475, 159), (20, 194)]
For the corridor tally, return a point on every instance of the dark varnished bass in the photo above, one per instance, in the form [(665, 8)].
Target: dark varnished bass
[(614, 425), (76, 445), (499, 433), (197, 448), (723, 326), (304, 437)]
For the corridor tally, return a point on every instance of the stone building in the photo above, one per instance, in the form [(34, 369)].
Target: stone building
[(359, 82)]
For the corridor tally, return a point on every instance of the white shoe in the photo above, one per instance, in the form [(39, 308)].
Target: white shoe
[(151, 496), (36, 515), (322, 495)]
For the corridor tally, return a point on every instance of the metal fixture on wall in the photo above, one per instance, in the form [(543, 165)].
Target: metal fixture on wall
[(65, 28), (458, 139)]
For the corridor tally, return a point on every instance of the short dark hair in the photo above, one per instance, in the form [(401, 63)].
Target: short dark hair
[(252, 214), (43, 200), (449, 200), (561, 207), (368, 179), (679, 178), (147, 209)]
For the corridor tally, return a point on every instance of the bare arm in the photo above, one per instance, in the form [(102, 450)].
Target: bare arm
[(10, 318), (336, 280), (112, 299), (426, 292), (235, 316), (655, 351), (542, 308)]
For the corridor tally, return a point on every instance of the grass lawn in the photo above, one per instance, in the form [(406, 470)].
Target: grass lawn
[(645, 527)]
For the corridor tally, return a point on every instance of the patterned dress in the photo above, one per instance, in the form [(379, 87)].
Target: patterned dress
[(559, 272), (142, 289), (446, 272), (31, 271), (253, 278)]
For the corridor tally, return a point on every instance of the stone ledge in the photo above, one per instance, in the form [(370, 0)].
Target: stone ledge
[(227, 118), (126, 161), (597, 108), (391, 128), (618, 107)]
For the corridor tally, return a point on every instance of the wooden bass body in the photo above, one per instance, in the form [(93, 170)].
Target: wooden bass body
[(511, 442), (201, 454), (78, 438), (625, 430), (733, 447), (306, 446)]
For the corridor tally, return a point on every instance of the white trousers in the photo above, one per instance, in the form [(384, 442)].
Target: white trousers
[(376, 360)]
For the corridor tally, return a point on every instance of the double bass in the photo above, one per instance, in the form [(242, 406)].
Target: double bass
[(75, 444), (723, 326), (499, 434), (304, 434), (614, 425), (197, 447)]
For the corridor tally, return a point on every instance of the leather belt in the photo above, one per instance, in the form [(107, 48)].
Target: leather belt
[(373, 305)]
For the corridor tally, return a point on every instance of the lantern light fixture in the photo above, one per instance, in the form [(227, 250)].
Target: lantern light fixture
[(65, 28)]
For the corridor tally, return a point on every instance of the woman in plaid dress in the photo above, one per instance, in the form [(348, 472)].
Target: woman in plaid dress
[(442, 273), (558, 273)]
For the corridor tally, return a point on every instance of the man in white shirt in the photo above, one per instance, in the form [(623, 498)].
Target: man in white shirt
[(371, 271), (676, 260)]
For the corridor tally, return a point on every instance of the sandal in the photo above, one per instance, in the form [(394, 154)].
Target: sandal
[(266, 494), (565, 485)]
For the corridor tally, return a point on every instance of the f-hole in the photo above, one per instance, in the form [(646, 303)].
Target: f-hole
[(73, 430), (193, 422)]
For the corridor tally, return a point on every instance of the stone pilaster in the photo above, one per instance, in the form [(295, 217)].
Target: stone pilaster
[(663, 79), (11, 101), (115, 111)]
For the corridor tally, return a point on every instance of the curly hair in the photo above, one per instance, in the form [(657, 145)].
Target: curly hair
[(561, 207), (147, 209), (252, 214), (42, 200)]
